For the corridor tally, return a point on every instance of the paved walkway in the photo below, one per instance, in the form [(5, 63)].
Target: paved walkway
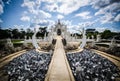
[(59, 69)]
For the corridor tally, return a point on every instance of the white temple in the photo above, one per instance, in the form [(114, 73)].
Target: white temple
[(59, 27)]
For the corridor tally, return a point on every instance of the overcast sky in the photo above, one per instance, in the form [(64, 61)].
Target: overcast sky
[(98, 14)]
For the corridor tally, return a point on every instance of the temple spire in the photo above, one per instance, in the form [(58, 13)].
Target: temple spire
[(58, 21)]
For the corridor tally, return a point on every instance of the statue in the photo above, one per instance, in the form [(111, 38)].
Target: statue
[(34, 41), (98, 38), (83, 39)]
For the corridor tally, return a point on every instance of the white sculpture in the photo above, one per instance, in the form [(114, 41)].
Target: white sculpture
[(34, 41), (45, 37), (9, 43), (92, 37), (25, 42), (83, 39), (98, 38), (113, 43)]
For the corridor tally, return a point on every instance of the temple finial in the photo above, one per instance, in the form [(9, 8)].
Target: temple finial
[(58, 21)]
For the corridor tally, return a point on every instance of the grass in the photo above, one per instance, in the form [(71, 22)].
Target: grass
[(16, 41)]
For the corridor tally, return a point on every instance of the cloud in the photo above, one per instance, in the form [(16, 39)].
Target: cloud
[(34, 11), (44, 14), (100, 29), (60, 16), (8, 1), (1, 21), (112, 8), (117, 18), (32, 5), (52, 7), (25, 18), (21, 27), (29, 4), (84, 15), (108, 10), (65, 6), (97, 4), (1, 9), (1, 6), (67, 22), (42, 22), (107, 18)]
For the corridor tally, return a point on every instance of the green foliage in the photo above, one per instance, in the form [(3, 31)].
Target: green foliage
[(106, 34), (90, 34), (20, 34)]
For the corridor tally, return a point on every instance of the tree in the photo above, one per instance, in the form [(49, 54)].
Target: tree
[(29, 32), (16, 33), (42, 31), (106, 34), (22, 33)]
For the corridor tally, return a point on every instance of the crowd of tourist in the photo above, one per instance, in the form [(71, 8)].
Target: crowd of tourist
[(31, 66), (89, 66)]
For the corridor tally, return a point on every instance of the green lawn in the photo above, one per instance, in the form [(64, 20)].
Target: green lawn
[(16, 41)]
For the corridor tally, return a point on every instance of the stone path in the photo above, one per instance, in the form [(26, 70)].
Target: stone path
[(59, 69)]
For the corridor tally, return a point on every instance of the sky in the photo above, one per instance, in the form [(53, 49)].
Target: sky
[(76, 14)]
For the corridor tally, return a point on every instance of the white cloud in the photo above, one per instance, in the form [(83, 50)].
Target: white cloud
[(107, 18), (22, 27), (32, 5), (36, 13), (60, 16), (43, 22), (44, 14), (112, 8), (117, 18), (51, 7), (25, 18), (100, 12), (84, 15), (69, 6), (97, 4), (8, 1), (108, 9), (100, 29), (1, 9), (1, 21), (67, 22), (65, 6), (29, 4)]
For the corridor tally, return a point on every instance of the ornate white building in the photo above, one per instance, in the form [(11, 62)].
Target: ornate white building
[(59, 29)]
